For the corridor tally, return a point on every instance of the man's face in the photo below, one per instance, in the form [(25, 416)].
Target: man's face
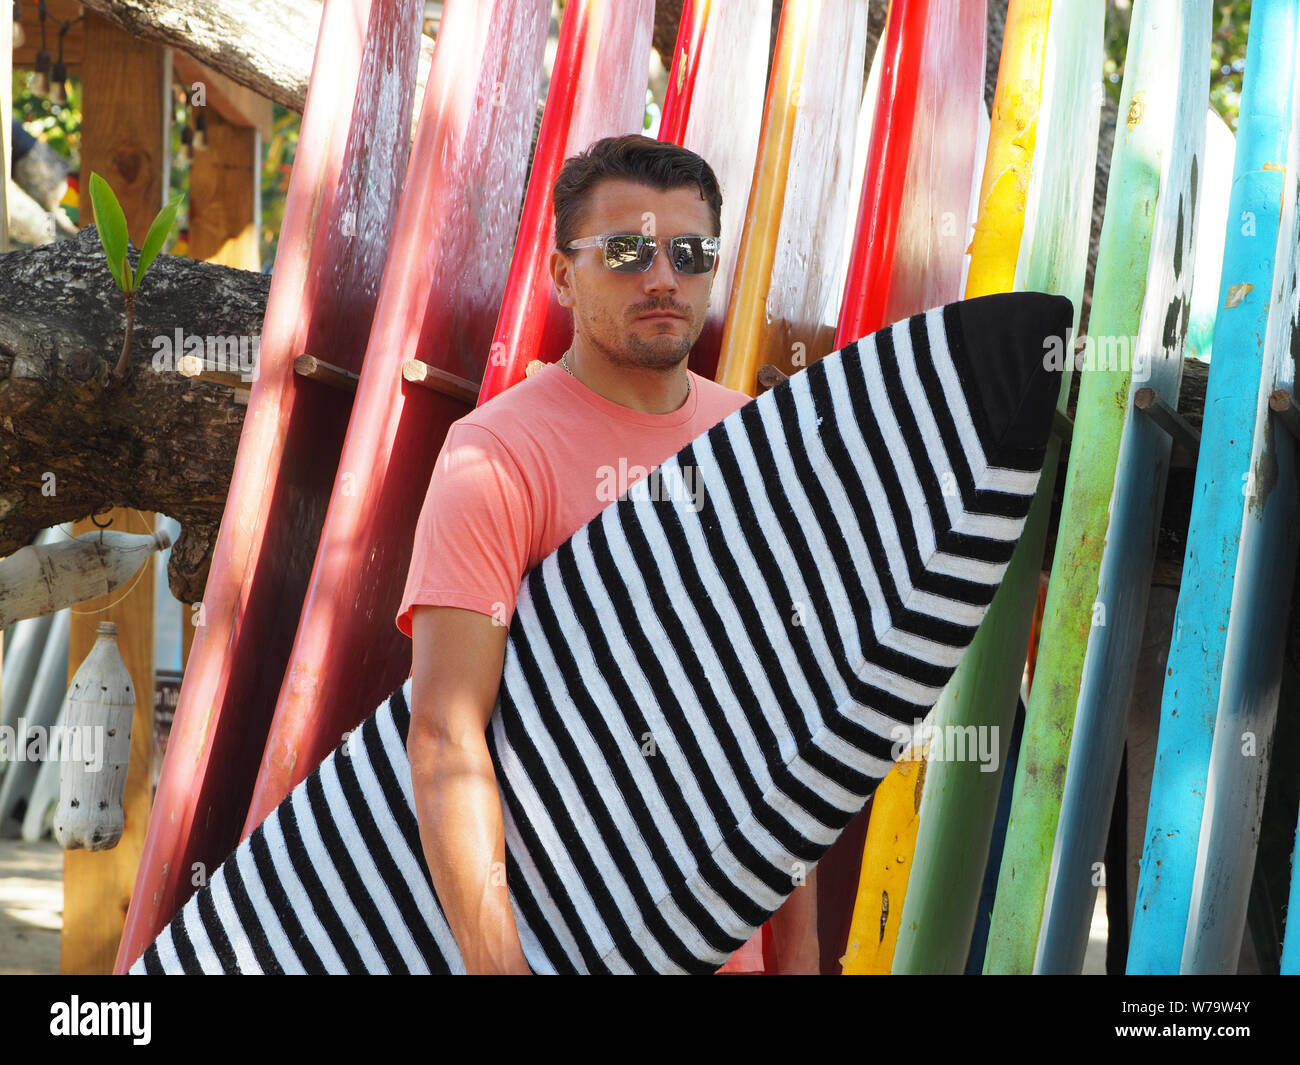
[(647, 320)]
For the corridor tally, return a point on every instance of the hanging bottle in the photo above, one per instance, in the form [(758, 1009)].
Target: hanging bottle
[(95, 749)]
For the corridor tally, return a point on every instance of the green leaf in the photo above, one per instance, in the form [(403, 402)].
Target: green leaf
[(153, 242), (131, 285), (111, 223)]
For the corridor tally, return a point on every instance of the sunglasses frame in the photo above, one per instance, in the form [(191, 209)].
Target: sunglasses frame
[(709, 245)]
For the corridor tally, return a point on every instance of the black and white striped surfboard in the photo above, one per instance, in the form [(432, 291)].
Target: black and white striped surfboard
[(702, 686)]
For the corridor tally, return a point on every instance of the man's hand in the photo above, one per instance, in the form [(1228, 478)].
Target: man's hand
[(458, 659)]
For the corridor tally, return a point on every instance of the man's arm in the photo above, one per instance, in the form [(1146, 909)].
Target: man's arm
[(458, 659)]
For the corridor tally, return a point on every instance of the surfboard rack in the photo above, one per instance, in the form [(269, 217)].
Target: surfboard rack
[(1062, 427), (326, 372), (770, 376), (214, 372), (421, 373), (1186, 437), (1282, 403)]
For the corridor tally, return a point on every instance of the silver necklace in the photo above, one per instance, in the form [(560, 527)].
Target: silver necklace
[(564, 361)]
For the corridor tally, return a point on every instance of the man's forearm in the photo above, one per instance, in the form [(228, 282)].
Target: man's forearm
[(463, 835)]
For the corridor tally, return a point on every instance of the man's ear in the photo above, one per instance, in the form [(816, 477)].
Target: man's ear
[(561, 276)]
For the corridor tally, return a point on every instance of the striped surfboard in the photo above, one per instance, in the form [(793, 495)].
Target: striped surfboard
[(701, 688)]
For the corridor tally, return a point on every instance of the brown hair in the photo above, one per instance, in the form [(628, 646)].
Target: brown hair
[(659, 164)]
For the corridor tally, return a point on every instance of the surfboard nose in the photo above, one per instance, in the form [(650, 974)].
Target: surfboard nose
[(1009, 351)]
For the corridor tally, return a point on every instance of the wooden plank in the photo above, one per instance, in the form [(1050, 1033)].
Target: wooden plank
[(125, 111), (223, 195), (237, 104)]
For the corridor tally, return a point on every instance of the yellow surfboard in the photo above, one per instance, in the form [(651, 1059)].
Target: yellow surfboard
[(886, 861), (994, 249), (786, 288)]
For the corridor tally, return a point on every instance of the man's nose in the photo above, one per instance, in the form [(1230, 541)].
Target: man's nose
[(661, 277)]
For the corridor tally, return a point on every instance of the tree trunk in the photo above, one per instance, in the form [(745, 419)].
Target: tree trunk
[(73, 440)]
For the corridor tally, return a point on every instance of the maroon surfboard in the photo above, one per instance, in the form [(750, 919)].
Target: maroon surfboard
[(338, 223)]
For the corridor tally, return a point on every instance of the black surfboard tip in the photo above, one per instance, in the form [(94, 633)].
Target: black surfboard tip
[(1009, 358)]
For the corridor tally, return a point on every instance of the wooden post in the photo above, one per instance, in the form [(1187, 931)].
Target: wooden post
[(125, 115), (224, 194)]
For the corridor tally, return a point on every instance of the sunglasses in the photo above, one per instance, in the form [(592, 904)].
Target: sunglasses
[(633, 253)]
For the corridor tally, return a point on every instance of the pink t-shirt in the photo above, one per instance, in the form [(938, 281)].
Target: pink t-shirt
[(521, 474)]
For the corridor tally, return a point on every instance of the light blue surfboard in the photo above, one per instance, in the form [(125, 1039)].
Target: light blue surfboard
[(1224, 663)]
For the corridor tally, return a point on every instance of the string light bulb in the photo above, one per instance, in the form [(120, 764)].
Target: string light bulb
[(40, 83), (59, 82)]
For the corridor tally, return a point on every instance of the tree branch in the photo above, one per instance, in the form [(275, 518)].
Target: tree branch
[(72, 438), (268, 47)]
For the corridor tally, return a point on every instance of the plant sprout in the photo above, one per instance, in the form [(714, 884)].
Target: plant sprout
[(111, 223)]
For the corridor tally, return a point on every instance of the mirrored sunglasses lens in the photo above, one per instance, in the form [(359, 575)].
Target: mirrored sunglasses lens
[(628, 253), (691, 255)]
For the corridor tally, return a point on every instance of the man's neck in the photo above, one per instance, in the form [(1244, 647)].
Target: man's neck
[(646, 391)]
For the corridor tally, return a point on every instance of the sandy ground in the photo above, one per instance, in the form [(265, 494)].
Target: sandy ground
[(31, 911), (31, 906)]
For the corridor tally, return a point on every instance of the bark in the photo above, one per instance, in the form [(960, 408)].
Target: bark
[(267, 47), (73, 439)]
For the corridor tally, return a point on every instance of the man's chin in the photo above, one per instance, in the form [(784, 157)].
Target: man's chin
[(661, 352)]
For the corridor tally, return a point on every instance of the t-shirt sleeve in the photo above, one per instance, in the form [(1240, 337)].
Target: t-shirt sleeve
[(475, 530)]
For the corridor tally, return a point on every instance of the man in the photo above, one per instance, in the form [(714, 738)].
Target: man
[(518, 476)]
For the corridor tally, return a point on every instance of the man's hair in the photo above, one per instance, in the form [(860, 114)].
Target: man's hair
[(659, 164)]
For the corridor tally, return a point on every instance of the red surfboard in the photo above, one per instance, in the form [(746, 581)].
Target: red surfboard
[(910, 243), (348, 653), (719, 68), (598, 87), (338, 222)]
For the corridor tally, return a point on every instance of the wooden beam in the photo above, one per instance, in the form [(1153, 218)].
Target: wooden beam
[(326, 372), (125, 138), (421, 373), (237, 104), (223, 200)]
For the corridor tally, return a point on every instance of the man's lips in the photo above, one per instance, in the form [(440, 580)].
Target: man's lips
[(655, 316)]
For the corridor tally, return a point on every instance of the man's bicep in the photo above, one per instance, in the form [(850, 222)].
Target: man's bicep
[(458, 656), (475, 531)]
